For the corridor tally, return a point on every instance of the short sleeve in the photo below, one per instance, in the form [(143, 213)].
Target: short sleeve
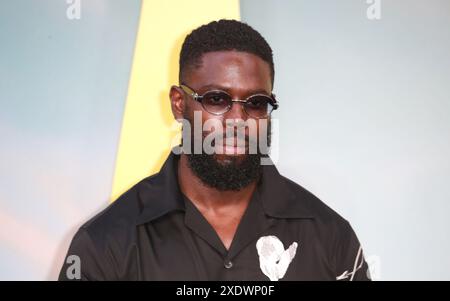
[(83, 261), (349, 256)]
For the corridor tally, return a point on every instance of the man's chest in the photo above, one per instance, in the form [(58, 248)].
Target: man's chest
[(274, 254)]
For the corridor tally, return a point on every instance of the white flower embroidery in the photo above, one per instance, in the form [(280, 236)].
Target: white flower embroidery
[(356, 266), (274, 260)]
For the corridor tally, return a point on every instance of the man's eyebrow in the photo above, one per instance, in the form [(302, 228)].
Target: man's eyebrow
[(227, 89)]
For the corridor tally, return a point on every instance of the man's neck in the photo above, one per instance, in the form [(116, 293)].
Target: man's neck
[(208, 199)]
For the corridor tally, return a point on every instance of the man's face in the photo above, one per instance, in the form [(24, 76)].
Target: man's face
[(241, 75)]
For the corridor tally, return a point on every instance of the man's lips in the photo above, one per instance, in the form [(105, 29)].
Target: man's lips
[(231, 142), (233, 146), (235, 142)]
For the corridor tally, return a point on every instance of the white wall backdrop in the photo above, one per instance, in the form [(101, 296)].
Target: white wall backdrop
[(365, 120)]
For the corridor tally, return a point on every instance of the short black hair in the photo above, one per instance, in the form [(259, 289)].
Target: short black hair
[(223, 35)]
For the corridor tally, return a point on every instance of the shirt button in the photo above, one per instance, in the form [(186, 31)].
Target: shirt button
[(227, 264)]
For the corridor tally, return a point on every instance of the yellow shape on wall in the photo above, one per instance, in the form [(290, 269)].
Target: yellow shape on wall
[(147, 125)]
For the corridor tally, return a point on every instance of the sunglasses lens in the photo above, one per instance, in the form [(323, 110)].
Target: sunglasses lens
[(216, 102), (258, 106)]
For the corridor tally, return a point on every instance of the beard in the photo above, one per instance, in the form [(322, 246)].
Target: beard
[(234, 174), (228, 172)]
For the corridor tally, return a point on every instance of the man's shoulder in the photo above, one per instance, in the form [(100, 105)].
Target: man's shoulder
[(314, 205), (108, 235), (329, 226), (118, 219)]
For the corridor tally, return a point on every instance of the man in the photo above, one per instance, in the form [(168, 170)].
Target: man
[(220, 215)]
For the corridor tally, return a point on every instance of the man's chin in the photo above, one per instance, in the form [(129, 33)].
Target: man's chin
[(225, 172)]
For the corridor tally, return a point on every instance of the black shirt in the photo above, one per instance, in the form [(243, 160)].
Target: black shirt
[(154, 232)]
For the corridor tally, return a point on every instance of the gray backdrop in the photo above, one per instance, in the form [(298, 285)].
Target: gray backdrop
[(364, 120)]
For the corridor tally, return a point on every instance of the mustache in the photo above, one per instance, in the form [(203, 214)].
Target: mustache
[(235, 134), (235, 139)]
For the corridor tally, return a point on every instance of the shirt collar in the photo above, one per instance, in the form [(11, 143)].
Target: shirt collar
[(281, 197), (160, 194)]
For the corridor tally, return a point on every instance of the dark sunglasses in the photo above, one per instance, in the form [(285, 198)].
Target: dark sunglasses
[(219, 102)]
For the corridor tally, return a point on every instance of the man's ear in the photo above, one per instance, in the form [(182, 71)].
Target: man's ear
[(177, 102)]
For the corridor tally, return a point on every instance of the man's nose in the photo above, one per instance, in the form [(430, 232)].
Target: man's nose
[(236, 111)]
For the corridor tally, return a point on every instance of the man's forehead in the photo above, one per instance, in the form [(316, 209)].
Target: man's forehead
[(241, 88), (231, 70)]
